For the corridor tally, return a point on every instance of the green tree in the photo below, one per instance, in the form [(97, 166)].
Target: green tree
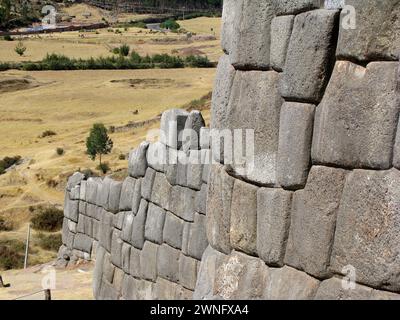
[(98, 143), (5, 12), (20, 48)]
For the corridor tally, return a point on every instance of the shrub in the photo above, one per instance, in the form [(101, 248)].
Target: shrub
[(8, 38), (139, 24), (89, 173), (170, 24), (122, 156), (51, 242), (7, 162), (123, 50), (47, 133), (103, 167), (60, 151), (5, 225), (11, 254), (198, 62), (20, 48), (48, 219)]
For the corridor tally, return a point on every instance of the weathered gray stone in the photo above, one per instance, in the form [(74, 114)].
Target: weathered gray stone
[(205, 138), (183, 293), (147, 183), (172, 123), (333, 289), (117, 281), (384, 295), (137, 196), (161, 191), (118, 220), (155, 224), (253, 110), (173, 231), (92, 185), (310, 52), (71, 208), (376, 34), (134, 263), (194, 170), (138, 226), (103, 193), (82, 191), (126, 233), (188, 268), (98, 271), (145, 290), (129, 288), (96, 229), (115, 195), (74, 180), (210, 262), (284, 7), (243, 231), (82, 207), (281, 30), (106, 230), (231, 12), (108, 292), (168, 263), (356, 121), (334, 4), (157, 156), (73, 226), (273, 221), (137, 161), (125, 257), (290, 284), (190, 136), (128, 188), (201, 199), (116, 249), (182, 202), (295, 138), (164, 289), (83, 242), (185, 237), (75, 192), (197, 237), (313, 220), (241, 277), (219, 209), (396, 157), (367, 232), (206, 160), (80, 226), (250, 47), (148, 261)]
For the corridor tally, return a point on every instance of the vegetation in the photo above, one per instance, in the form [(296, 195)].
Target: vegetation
[(11, 254), (48, 219), (8, 38), (170, 24), (51, 242), (5, 225), (103, 167), (98, 143), (16, 13), (60, 151), (20, 48), (7, 162), (123, 50), (47, 133)]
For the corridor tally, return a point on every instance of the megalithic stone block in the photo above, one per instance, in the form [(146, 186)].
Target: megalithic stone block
[(75, 180), (138, 161), (127, 191), (155, 224), (172, 123), (310, 54), (333, 289), (138, 226), (148, 261), (231, 13), (157, 156), (114, 197), (147, 184), (173, 231), (190, 136), (168, 263), (281, 30), (355, 124), (285, 7)]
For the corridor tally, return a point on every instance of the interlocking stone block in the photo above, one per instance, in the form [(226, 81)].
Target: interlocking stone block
[(273, 221), (82, 207), (396, 157), (108, 292), (71, 208), (82, 191), (137, 196), (182, 202), (125, 256), (190, 136), (252, 108), (114, 196), (128, 188), (183, 293), (384, 295), (118, 220), (116, 249), (98, 271), (295, 138), (243, 231), (188, 268), (197, 237), (147, 183), (103, 193), (83, 242), (117, 281), (290, 284), (194, 170), (173, 231), (75, 192), (172, 123), (376, 34), (145, 290), (281, 30), (134, 266), (313, 220), (309, 56), (106, 230), (129, 288), (92, 185), (355, 123), (155, 224), (205, 138), (137, 161), (164, 289), (161, 191), (250, 47), (206, 160), (138, 226), (231, 13), (157, 156), (219, 209), (284, 7), (333, 289), (201, 199), (368, 228), (148, 261), (126, 233), (74, 180), (168, 263)]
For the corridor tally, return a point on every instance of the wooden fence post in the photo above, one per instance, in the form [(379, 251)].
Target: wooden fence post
[(27, 246), (47, 294)]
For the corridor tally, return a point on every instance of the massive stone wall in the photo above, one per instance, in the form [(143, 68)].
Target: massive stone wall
[(319, 205)]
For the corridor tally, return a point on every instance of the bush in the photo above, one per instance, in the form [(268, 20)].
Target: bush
[(5, 225), (198, 62), (170, 24), (7, 162), (103, 167), (47, 133), (11, 254), (89, 173), (122, 157), (123, 50), (60, 151), (8, 38), (20, 48), (48, 219), (51, 242)]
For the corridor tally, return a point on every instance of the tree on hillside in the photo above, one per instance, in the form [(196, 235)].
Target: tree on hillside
[(5, 12), (98, 143)]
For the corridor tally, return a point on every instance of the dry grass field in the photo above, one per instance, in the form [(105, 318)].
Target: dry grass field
[(70, 102)]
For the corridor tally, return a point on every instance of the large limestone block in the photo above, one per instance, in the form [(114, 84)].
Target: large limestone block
[(194, 173), (103, 193), (243, 231), (313, 220), (355, 123), (125, 257), (74, 180), (92, 185), (201, 199), (114, 196), (128, 188), (309, 56), (384, 295), (273, 221), (71, 208), (157, 156), (231, 12), (147, 183), (148, 261), (155, 224), (338, 289), (164, 289), (182, 202), (241, 277), (83, 242), (129, 288), (138, 161), (137, 196), (106, 230), (138, 226), (368, 228), (197, 237), (188, 268), (396, 157), (173, 231), (290, 284), (376, 34), (281, 30), (160, 194), (116, 249), (252, 107), (191, 134), (284, 7), (98, 271), (295, 138), (219, 209), (172, 123), (134, 262), (250, 47), (168, 263)]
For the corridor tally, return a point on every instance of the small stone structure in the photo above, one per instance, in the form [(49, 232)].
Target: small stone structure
[(317, 218)]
